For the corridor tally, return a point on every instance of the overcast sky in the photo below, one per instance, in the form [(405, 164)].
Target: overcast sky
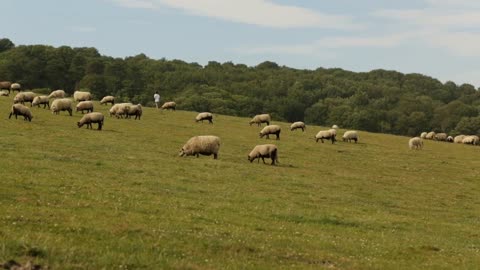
[(438, 38)]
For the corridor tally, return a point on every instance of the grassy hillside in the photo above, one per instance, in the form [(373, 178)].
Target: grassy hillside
[(121, 198)]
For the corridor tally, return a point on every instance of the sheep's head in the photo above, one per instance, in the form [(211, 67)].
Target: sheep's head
[(182, 152), (79, 124), (250, 158)]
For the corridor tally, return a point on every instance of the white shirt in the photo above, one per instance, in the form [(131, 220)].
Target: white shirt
[(156, 97)]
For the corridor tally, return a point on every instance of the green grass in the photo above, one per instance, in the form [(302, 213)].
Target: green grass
[(121, 198)]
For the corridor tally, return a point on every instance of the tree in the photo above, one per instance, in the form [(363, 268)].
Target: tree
[(6, 44)]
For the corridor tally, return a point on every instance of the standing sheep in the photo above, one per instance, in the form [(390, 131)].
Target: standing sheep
[(204, 145), (23, 97), (423, 135), (335, 127), (441, 137), (82, 96), (170, 105), (15, 87), (204, 116), (119, 109), (297, 125), (264, 151), (133, 110), (415, 143), (270, 129), (350, 135), (57, 94), (326, 134), (458, 139), (37, 101), (450, 139), (19, 109), (430, 135), (5, 85), (107, 99), (261, 118), (90, 118), (61, 104), (85, 106), (471, 139)]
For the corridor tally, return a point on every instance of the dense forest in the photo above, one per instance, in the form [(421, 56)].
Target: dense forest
[(377, 101)]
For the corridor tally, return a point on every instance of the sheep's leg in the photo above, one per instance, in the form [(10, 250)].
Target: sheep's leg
[(263, 159), (215, 156)]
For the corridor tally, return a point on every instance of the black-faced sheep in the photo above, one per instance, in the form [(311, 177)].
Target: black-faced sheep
[(450, 139), (23, 97), (85, 106), (204, 145), (90, 118), (270, 129), (61, 104), (39, 100), (82, 96), (107, 99), (15, 87), (170, 105), (19, 109), (204, 116), (458, 139), (415, 143), (297, 125), (133, 110), (326, 134), (264, 151), (57, 94), (350, 135), (261, 118)]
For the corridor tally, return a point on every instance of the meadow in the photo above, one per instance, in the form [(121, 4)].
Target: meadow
[(122, 198)]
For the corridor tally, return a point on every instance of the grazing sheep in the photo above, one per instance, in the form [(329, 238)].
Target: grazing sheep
[(170, 105), (82, 96), (261, 118), (37, 101), (85, 106), (204, 116), (90, 118), (270, 129), (57, 94), (107, 99), (4, 93), (472, 139), (326, 134), (458, 139), (450, 139), (264, 151), (335, 127), (23, 97), (441, 137), (430, 135), (133, 110), (5, 85), (15, 87), (61, 104), (119, 109), (297, 125), (423, 135), (350, 135), (19, 109), (415, 143), (205, 145)]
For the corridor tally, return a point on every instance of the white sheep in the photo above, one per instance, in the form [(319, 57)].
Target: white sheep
[(4, 93), (107, 99), (430, 135), (415, 143), (23, 97), (19, 109), (350, 135), (85, 106), (423, 135), (264, 151), (270, 129), (15, 87), (61, 104), (119, 109), (335, 127), (90, 118), (458, 139), (133, 110), (441, 137), (297, 125), (39, 100), (57, 94), (326, 134), (471, 139), (204, 145), (261, 118), (82, 96), (204, 116), (170, 105)]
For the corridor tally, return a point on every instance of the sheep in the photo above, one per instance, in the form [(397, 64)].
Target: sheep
[(107, 99), (335, 127), (423, 135), (5, 85), (81, 96), (472, 139), (89, 118), (297, 125), (23, 97), (15, 87), (19, 109), (133, 110), (4, 93), (326, 134), (415, 143), (204, 116), (261, 118), (170, 105), (458, 139), (350, 135), (41, 100), (119, 109), (441, 137), (450, 139), (205, 145), (270, 129), (57, 94), (430, 135), (264, 151), (85, 106), (61, 104)]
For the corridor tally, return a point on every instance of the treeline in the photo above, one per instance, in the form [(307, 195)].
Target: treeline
[(377, 101)]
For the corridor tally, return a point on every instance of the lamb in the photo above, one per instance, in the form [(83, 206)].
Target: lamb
[(441, 137), (297, 125), (15, 87), (107, 99), (423, 135), (5, 85), (133, 110), (90, 118), (57, 94), (264, 151), (23, 97), (61, 104), (85, 106), (37, 101), (170, 105), (205, 145), (204, 116), (350, 135), (19, 109), (450, 139), (119, 109), (472, 139), (415, 143), (458, 139), (326, 134), (82, 96), (4, 93), (270, 129), (261, 118), (430, 135)]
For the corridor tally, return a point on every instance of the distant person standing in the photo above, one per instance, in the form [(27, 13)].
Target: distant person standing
[(156, 97)]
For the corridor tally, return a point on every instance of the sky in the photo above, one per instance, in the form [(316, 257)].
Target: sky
[(437, 38)]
